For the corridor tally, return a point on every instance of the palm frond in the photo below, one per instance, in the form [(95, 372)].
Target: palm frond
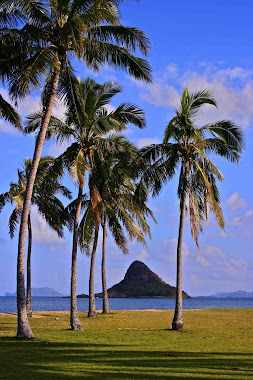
[(14, 221), (87, 229), (8, 113), (229, 132), (96, 54), (128, 38)]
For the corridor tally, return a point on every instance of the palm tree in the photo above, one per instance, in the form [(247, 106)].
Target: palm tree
[(114, 174), (86, 125), (8, 113), (38, 41), (44, 198), (187, 145)]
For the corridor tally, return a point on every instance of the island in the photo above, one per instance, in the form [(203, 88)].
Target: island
[(140, 282), (237, 294), (40, 292)]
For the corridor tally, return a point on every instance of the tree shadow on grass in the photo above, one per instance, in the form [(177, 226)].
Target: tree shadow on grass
[(46, 360)]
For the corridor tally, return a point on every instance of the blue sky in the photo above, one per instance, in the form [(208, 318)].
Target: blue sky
[(198, 44)]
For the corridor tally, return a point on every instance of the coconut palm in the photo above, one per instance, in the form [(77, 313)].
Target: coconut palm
[(38, 41), (86, 125), (114, 174), (186, 146), (8, 113), (48, 205)]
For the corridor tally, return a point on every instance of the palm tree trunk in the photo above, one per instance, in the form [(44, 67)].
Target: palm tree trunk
[(24, 328), (106, 307), (92, 306), (75, 322), (178, 323), (28, 274)]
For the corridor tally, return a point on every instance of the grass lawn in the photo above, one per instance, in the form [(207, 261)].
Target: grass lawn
[(216, 344)]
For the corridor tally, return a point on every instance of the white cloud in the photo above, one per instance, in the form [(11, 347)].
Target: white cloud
[(147, 141), (110, 108), (213, 251), (143, 255), (236, 267), (233, 89), (59, 110), (236, 222), (222, 266), (41, 231), (202, 261), (56, 149), (247, 234), (249, 213), (6, 127), (171, 246), (212, 267), (27, 106), (234, 99), (236, 202), (246, 220), (161, 95)]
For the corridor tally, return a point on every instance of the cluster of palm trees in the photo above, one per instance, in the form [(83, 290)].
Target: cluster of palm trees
[(38, 43)]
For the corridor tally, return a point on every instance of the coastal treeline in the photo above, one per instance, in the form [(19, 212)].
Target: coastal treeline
[(39, 42)]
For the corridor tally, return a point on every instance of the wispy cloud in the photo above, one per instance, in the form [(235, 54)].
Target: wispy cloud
[(233, 88), (144, 141), (42, 233), (25, 107), (244, 221), (235, 202)]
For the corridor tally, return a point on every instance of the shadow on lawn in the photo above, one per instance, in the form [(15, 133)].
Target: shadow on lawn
[(42, 360)]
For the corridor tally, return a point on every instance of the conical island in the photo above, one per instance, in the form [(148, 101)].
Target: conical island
[(141, 282)]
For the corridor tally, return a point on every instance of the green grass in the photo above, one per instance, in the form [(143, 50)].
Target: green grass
[(216, 344)]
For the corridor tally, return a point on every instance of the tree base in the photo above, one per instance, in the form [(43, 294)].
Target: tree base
[(76, 325), (177, 325), (25, 331), (92, 314), (106, 311)]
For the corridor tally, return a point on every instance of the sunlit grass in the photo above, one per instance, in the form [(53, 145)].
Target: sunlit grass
[(216, 344)]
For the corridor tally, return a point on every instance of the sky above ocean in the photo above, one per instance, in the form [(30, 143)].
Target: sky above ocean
[(196, 44)]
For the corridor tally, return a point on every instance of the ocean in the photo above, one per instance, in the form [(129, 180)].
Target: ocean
[(8, 304)]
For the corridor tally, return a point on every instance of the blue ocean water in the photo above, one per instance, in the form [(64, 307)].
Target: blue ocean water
[(8, 304)]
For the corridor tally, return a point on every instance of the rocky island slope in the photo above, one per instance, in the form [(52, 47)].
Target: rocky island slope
[(141, 282)]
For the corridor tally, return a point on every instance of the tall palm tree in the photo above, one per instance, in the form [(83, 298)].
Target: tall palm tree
[(8, 113), (186, 146), (87, 123), (115, 174), (38, 40), (49, 206)]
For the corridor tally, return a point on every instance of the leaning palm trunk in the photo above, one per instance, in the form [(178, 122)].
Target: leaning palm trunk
[(28, 274), (75, 322), (106, 308), (92, 306), (24, 328)]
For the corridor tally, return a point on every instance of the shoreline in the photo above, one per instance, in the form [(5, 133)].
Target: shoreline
[(129, 310)]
